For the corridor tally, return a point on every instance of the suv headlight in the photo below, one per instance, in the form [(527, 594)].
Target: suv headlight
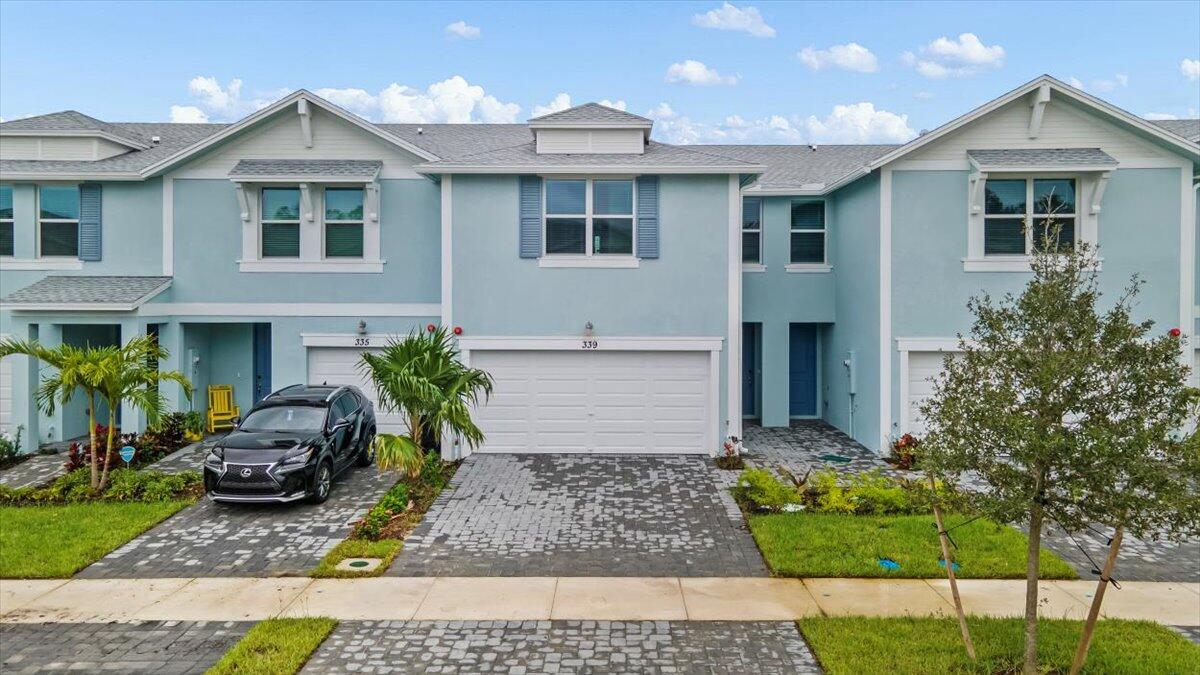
[(298, 457), (215, 456)]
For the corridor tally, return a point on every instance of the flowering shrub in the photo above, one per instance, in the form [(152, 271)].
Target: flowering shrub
[(827, 491), (905, 452)]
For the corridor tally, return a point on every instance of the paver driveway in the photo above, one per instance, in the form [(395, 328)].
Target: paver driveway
[(158, 647), (769, 648), (209, 539), (582, 515)]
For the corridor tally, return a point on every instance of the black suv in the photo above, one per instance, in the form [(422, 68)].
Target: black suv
[(291, 445)]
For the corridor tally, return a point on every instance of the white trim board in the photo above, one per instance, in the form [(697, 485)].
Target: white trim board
[(39, 264), (733, 356), (325, 266), (289, 309), (885, 307), (602, 343), (447, 249)]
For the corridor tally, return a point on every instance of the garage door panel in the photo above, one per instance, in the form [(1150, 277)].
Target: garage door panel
[(339, 366), (603, 402), (923, 370)]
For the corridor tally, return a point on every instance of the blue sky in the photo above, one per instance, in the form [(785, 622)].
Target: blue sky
[(707, 71)]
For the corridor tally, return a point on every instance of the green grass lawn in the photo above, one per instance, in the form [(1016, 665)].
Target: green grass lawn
[(900, 646), (386, 549), (46, 542), (275, 647), (833, 545)]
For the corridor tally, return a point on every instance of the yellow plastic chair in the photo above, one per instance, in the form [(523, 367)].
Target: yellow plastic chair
[(221, 408)]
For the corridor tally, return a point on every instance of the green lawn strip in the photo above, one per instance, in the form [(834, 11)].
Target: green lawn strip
[(899, 646), (385, 549), (834, 545), (46, 542), (275, 647)]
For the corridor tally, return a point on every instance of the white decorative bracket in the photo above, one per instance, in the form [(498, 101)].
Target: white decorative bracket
[(1038, 109), (243, 201), (373, 202), (305, 122), (1098, 194), (306, 201), (977, 182)]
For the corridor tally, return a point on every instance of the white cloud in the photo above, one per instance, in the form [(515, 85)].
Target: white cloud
[(662, 111), (462, 30), (1159, 116), (696, 73), (358, 101), (1075, 82), (859, 123), (961, 57), (852, 56), (187, 114), (215, 97), (562, 101), (922, 95), (1190, 69), (729, 17), (618, 104), (452, 100), (1122, 79)]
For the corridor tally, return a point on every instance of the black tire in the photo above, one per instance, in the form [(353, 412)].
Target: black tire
[(322, 483), (366, 453)]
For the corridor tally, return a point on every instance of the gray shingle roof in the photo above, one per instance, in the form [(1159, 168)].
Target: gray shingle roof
[(127, 292), (70, 120), (451, 141), (173, 138), (1052, 157), (592, 113), (791, 167), (657, 155), (1189, 129), (350, 168)]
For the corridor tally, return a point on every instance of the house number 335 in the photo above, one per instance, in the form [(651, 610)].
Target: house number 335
[(590, 344)]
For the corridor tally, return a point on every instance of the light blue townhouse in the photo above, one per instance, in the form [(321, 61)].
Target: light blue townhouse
[(628, 296)]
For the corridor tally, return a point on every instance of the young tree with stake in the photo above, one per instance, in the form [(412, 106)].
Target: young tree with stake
[(1046, 396)]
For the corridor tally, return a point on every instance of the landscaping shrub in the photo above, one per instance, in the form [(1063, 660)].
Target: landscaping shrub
[(827, 491), (126, 485), (395, 501), (10, 447)]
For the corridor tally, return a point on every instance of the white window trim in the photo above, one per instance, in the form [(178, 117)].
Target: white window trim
[(792, 231), (759, 259), (754, 268), (51, 264), (589, 258), (325, 222), (312, 232), (37, 229), (1089, 189), (263, 222)]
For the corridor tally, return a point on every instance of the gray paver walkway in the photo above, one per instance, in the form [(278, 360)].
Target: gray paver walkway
[(36, 471), (564, 647), (159, 647), (582, 515), (187, 458), (800, 448), (210, 539)]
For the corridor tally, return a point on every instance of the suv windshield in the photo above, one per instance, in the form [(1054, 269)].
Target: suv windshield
[(285, 418)]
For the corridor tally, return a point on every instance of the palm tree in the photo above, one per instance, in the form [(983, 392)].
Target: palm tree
[(75, 370), (130, 373), (421, 378)]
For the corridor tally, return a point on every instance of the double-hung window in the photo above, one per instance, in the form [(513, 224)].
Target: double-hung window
[(752, 230), (589, 217), (343, 222), (1025, 214), (280, 222), (7, 240), (808, 233), (58, 221)]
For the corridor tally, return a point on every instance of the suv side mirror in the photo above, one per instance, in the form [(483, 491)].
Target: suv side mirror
[(340, 424)]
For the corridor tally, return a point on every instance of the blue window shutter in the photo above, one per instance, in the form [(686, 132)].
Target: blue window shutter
[(531, 217), (647, 216), (89, 222)]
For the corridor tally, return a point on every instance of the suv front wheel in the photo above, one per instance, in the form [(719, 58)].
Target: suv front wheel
[(366, 454), (322, 483)]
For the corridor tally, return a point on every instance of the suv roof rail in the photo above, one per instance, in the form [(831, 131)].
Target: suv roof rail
[(335, 392), (277, 392)]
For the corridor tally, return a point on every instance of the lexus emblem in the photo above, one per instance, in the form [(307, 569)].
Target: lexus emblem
[(246, 473)]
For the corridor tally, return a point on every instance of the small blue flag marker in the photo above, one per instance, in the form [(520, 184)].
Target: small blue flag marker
[(942, 564), (889, 564), (127, 453)]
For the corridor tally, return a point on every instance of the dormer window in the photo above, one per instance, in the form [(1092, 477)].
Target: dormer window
[(591, 129)]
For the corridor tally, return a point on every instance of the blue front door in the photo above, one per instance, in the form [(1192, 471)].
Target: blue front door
[(262, 361), (749, 366), (802, 370)]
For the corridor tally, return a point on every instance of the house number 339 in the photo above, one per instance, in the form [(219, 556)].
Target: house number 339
[(590, 344)]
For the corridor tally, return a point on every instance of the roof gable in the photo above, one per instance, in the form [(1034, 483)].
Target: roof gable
[(591, 115), (73, 123)]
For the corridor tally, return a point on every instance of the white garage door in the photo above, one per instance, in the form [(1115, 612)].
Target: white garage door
[(339, 365), (599, 402), (923, 369)]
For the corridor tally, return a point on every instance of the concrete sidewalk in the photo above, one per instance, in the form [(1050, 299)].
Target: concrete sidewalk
[(584, 598)]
